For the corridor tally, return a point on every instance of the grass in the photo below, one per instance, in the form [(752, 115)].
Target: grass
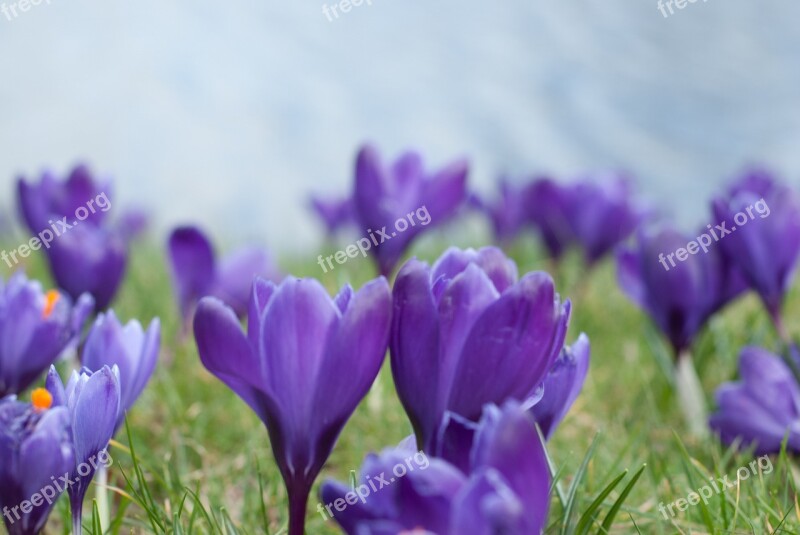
[(196, 459)]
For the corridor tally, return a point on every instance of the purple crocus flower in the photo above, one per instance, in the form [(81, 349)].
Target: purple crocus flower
[(763, 407), (131, 349), (678, 298), (504, 489), (89, 260), (51, 199), (196, 273), (85, 252), (602, 214), (548, 207), (35, 328), (762, 236), (35, 449), (304, 365), (334, 213), (508, 213), (466, 333), (562, 386), (385, 195), (93, 403)]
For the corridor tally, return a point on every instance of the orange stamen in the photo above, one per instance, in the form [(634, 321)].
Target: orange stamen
[(50, 300), (41, 399)]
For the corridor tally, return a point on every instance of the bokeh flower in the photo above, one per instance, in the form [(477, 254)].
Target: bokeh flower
[(763, 216), (505, 488), (466, 333), (304, 365), (385, 194), (507, 213), (36, 327), (334, 213), (197, 273)]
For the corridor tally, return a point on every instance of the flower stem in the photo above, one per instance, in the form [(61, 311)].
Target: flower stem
[(690, 395), (298, 500), (101, 483)]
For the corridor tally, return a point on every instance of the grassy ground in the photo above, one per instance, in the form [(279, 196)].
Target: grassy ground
[(203, 459)]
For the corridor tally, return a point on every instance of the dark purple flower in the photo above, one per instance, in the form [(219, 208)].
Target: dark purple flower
[(89, 260), (602, 214), (548, 206), (304, 365), (85, 252), (35, 450), (466, 333), (35, 328), (562, 386), (129, 348), (505, 488), (334, 213), (679, 298), (51, 199), (387, 195), (762, 236), (196, 272), (761, 408), (508, 213), (93, 403)]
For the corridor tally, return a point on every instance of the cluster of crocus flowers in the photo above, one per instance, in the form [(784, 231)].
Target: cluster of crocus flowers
[(197, 272), (36, 327), (303, 366), (386, 193), (466, 332), (495, 479), (762, 408), (86, 253), (35, 449)]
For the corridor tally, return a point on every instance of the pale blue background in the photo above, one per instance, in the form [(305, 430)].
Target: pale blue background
[(229, 113)]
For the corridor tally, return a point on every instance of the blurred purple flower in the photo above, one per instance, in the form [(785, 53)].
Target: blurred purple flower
[(304, 365), (682, 298), (334, 213), (602, 214), (51, 199), (764, 248), (762, 408), (548, 205), (89, 260), (504, 489), (508, 212), (466, 333), (35, 448), (596, 213), (562, 386), (85, 252), (384, 195), (131, 349), (93, 403), (196, 273), (35, 328)]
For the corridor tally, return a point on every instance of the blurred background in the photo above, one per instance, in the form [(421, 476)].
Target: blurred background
[(229, 114)]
